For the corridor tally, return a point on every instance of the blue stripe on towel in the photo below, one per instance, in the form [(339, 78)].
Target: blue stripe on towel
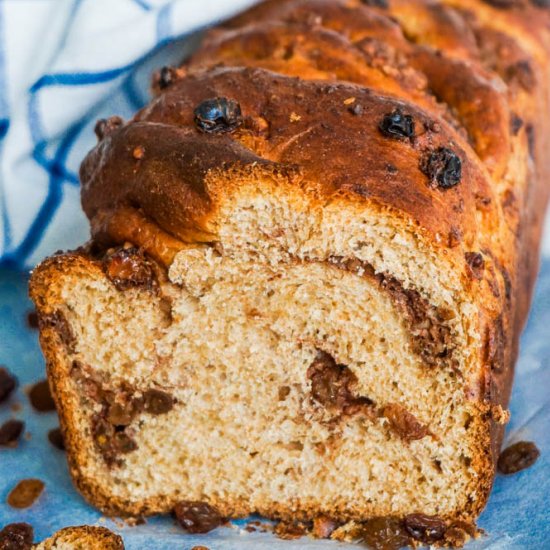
[(143, 5), (4, 126), (53, 199)]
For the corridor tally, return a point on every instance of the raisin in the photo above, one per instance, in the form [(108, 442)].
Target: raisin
[(197, 517), (32, 319), (58, 322), (427, 529), (166, 77), (397, 125), (504, 3), (40, 397), (10, 432), (16, 536), (476, 264), (518, 457), (323, 527), (443, 167), (384, 533), (157, 402), (522, 73), (55, 437), (121, 415), (217, 116), (376, 3), (25, 493), (516, 124), (122, 443), (8, 383), (404, 423), (128, 268), (106, 126)]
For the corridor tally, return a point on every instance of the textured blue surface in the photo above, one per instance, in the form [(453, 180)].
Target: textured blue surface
[(517, 516)]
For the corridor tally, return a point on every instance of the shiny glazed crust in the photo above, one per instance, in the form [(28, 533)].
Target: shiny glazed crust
[(474, 77)]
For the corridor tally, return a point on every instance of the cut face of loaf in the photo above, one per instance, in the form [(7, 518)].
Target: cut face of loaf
[(312, 258), (294, 384)]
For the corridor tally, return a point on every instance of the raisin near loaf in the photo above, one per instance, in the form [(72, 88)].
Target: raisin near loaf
[(312, 256)]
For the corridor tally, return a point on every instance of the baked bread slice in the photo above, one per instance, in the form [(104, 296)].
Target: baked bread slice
[(83, 537), (313, 254)]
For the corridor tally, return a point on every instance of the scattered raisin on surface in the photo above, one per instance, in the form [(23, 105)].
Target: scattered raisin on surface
[(197, 517), (397, 125), (8, 383), (32, 319), (443, 168), (384, 533), (10, 432), (218, 115), (25, 493), (427, 529), (40, 397), (517, 457), (16, 536), (105, 126), (404, 423), (129, 268), (157, 402), (55, 437)]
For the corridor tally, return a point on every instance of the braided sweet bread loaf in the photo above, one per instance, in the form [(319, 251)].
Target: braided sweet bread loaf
[(313, 254)]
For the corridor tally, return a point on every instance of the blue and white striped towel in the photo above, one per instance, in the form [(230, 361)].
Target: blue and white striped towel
[(63, 64)]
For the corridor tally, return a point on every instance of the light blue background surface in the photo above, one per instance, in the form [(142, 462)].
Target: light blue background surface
[(517, 516)]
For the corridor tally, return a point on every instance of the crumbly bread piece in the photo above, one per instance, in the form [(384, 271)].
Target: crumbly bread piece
[(311, 308), (84, 537)]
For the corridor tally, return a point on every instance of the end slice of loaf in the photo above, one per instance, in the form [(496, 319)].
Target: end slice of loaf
[(83, 537), (309, 304)]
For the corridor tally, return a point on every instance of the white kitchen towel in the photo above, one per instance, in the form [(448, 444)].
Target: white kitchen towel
[(63, 65)]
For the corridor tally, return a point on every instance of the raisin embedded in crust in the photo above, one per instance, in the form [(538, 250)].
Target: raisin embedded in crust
[(397, 125), (218, 115), (443, 168), (105, 126), (376, 3), (197, 517), (129, 268)]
